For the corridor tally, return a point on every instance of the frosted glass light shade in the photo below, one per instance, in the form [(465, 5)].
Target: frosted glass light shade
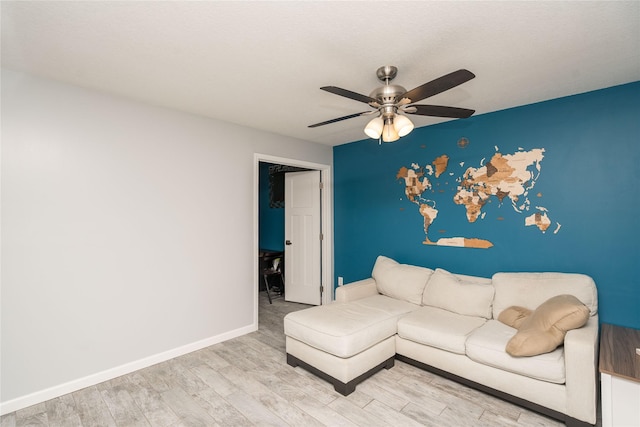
[(389, 133), (374, 128), (402, 125)]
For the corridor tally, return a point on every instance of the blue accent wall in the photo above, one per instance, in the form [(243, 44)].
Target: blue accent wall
[(589, 182), (271, 220)]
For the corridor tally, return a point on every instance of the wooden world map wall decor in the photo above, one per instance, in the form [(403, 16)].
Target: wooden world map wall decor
[(507, 177)]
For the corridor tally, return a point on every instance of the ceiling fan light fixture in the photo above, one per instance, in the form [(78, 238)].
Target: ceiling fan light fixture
[(402, 125), (374, 128), (389, 100), (389, 133)]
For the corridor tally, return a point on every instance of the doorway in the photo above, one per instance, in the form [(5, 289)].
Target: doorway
[(326, 253)]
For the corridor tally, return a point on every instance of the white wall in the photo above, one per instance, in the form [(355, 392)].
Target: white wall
[(127, 234)]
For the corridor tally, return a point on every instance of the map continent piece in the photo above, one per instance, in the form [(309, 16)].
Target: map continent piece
[(441, 164), (539, 219), (413, 186), (504, 176), (429, 214)]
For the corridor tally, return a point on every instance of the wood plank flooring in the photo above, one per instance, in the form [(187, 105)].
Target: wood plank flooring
[(246, 382)]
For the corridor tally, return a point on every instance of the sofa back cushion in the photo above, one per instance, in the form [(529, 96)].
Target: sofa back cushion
[(400, 281), (466, 295), (529, 290)]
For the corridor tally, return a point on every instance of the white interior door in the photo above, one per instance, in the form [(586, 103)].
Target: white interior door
[(302, 230)]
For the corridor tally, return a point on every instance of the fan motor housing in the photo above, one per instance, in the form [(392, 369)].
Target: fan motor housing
[(387, 93)]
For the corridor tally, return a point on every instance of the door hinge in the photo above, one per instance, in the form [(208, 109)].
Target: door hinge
[(321, 237), (321, 186), (321, 289)]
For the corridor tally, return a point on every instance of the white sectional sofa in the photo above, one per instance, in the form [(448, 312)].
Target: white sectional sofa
[(448, 324)]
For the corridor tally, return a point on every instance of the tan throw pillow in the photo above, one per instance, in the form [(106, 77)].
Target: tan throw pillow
[(514, 316), (544, 330)]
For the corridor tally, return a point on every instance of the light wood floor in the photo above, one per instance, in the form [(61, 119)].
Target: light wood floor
[(246, 382)]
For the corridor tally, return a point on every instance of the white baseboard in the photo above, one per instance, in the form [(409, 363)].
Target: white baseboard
[(93, 379)]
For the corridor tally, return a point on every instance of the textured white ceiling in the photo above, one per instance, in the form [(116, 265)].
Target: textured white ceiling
[(261, 64)]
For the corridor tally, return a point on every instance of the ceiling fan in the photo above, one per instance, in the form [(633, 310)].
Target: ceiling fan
[(391, 102)]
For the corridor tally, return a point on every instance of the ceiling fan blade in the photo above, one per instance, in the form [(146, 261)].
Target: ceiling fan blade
[(339, 119), (440, 111), (349, 94), (438, 85)]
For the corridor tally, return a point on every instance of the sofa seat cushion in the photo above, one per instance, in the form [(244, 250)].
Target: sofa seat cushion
[(487, 344), (346, 329), (439, 328)]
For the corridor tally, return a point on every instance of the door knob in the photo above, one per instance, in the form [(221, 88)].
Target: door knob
[(287, 242)]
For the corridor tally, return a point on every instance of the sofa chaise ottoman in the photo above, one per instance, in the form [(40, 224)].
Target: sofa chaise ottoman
[(448, 324)]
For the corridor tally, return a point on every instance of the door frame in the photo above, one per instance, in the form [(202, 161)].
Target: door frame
[(326, 218)]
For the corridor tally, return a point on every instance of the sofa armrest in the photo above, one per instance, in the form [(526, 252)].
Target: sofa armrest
[(581, 369), (356, 290)]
